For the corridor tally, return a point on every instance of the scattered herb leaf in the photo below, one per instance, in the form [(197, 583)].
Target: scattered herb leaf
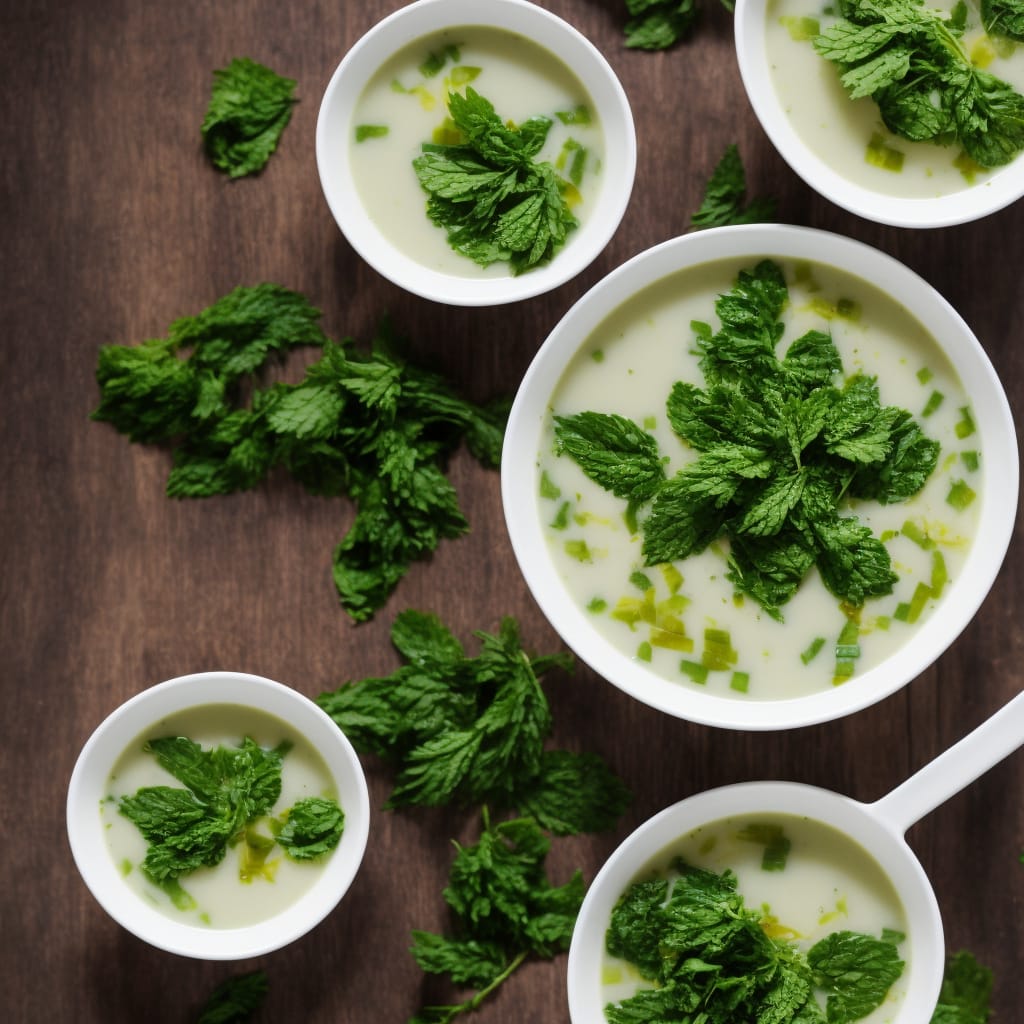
[(236, 999), (725, 197)]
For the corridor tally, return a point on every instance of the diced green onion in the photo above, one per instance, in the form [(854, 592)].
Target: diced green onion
[(965, 425), (670, 640), (643, 652), (597, 604), (718, 650), (924, 375), (775, 842), (436, 60), (578, 549), (935, 399), (971, 460), (463, 75), (673, 577), (801, 29), (561, 520), (370, 131), (940, 574), (640, 580), (740, 682), (809, 653), (578, 115), (548, 488), (920, 537), (960, 496), (695, 670)]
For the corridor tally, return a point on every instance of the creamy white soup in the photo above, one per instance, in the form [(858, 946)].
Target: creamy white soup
[(684, 619), (235, 892), (849, 134), (827, 883), (404, 105)]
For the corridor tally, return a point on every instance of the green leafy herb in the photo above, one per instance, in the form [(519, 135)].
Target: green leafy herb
[(226, 790), (910, 61), (725, 197), (472, 729), (966, 992), (236, 999), (312, 827), (1003, 18), (368, 425), (660, 24), (505, 911), (250, 107), (711, 960), (780, 445), (493, 198)]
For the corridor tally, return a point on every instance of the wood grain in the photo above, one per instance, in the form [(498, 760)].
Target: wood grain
[(114, 225)]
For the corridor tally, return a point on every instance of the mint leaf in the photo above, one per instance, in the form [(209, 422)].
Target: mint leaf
[(725, 196), (250, 106), (236, 999), (966, 992), (312, 828), (856, 971)]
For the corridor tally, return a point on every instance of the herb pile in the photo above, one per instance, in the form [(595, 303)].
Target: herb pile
[(236, 999), (472, 730), (493, 198), (228, 793), (711, 961), (910, 61), (1004, 18), (781, 444), (363, 424), (250, 107)]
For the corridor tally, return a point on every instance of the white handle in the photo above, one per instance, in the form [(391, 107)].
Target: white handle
[(954, 769)]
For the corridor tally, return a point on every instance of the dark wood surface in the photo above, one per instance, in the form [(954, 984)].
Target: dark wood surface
[(114, 224)]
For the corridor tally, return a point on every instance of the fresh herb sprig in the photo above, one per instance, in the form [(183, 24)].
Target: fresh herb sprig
[(491, 195), (226, 789), (711, 960), (250, 107), (910, 61), (660, 24), (236, 999), (505, 911), (966, 992), (472, 730), (368, 425), (780, 445), (1003, 18), (725, 196)]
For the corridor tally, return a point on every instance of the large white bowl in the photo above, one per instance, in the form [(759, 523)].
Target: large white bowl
[(523, 441), (90, 781), (1003, 187), (334, 132)]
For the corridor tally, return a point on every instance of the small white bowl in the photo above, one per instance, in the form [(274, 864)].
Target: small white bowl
[(1005, 185), (90, 781), (421, 19), (527, 522)]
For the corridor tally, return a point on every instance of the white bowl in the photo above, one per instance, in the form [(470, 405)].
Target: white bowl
[(520, 476), (89, 785), (922, 975), (1004, 186), (335, 129)]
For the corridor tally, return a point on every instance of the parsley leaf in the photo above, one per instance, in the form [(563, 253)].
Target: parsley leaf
[(494, 200), (1003, 18), (966, 992), (710, 959), (368, 425), (250, 106), (505, 910), (911, 62), (725, 196), (780, 444), (236, 999), (312, 827), (472, 730)]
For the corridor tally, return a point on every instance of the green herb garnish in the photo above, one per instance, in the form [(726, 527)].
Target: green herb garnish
[(505, 911), (236, 999), (725, 196), (311, 828), (367, 425), (463, 729), (966, 992), (659, 24), (250, 106), (493, 198), (781, 444), (226, 790), (1004, 18), (910, 61), (711, 960)]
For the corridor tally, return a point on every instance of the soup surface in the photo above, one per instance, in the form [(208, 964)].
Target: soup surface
[(849, 134), (404, 106), (828, 883), (218, 896), (684, 618)]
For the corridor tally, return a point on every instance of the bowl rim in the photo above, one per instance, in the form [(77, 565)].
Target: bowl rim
[(1005, 186), (572, 49), (125, 724), (884, 844), (993, 419)]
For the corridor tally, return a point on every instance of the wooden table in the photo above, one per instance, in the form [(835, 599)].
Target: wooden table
[(114, 225)]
